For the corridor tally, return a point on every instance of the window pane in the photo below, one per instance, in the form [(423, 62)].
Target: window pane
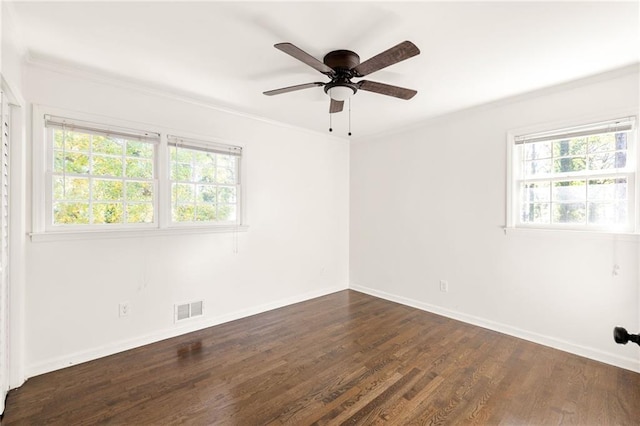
[(74, 162), (225, 175), (70, 188), (183, 193), (534, 192), (621, 140), (621, 159), (139, 149), (205, 173), (140, 213), (206, 212), (71, 213), (108, 213), (206, 194), (604, 160), (611, 213), (228, 161), (570, 147), (603, 143), (227, 194), (107, 190), (607, 189), (535, 151), (180, 155), (227, 213), (180, 171), (142, 169), (71, 141), (569, 164), (107, 165), (184, 213), (139, 191), (204, 158), (540, 167), (571, 190), (106, 145), (573, 213), (536, 213)]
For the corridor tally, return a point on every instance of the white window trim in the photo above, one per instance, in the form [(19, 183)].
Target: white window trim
[(40, 232), (511, 214), (216, 146), (50, 227)]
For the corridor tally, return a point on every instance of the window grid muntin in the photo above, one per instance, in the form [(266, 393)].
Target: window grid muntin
[(588, 156), (178, 151), (626, 171), (43, 174), (91, 201), (551, 200)]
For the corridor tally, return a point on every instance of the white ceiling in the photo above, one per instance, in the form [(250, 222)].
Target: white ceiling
[(222, 52)]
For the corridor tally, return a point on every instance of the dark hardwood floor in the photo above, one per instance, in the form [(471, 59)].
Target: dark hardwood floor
[(346, 358)]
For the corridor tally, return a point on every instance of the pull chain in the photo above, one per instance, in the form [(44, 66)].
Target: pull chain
[(349, 116), (330, 125)]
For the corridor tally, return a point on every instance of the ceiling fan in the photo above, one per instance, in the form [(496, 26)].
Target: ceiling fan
[(343, 65)]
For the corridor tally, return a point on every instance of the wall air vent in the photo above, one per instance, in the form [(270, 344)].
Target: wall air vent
[(185, 311)]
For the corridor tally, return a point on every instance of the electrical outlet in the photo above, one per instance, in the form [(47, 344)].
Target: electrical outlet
[(124, 309), (444, 286)]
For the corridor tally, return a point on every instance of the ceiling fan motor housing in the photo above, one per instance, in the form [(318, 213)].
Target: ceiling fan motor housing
[(341, 59), (342, 62)]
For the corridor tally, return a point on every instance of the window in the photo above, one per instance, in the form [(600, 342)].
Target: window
[(100, 176), (576, 178), (204, 181), (95, 176)]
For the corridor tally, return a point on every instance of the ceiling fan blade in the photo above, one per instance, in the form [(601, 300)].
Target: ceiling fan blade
[(335, 106), (292, 88), (398, 53), (386, 89), (303, 56)]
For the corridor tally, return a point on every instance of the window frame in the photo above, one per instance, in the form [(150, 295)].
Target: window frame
[(206, 146), (42, 227), (50, 226), (513, 213)]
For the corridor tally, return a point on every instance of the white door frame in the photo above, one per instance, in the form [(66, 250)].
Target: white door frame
[(17, 232)]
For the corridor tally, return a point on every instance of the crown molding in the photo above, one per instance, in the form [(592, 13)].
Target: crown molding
[(633, 68), (41, 61)]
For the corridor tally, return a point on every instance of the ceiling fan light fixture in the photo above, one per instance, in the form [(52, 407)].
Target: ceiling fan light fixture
[(341, 93)]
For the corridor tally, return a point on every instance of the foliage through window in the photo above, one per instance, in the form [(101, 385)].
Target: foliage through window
[(204, 181), (100, 177), (580, 178), (106, 177)]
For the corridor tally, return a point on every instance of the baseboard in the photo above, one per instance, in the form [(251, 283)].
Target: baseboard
[(193, 325), (563, 345)]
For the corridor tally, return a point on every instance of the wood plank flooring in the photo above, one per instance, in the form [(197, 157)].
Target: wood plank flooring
[(346, 358)]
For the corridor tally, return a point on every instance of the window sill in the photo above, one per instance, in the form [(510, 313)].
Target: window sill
[(607, 235), (38, 237)]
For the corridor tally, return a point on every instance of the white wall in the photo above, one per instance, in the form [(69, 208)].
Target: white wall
[(10, 47), (428, 204), (296, 246)]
